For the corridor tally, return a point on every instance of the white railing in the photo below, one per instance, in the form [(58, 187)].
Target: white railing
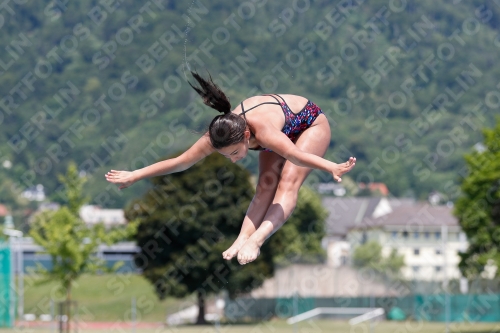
[(367, 316), (364, 314)]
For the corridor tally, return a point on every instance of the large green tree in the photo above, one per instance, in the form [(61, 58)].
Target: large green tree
[(189, 218), (71, 244), (478, 207)]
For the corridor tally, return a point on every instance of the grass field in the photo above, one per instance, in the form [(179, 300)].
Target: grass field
[(315, 326), (104, 298)]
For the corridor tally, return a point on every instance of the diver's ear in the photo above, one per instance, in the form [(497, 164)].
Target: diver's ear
[(247, 134)]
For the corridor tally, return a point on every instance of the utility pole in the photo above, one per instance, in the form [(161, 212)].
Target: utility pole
[(15, 237), (444, 243)]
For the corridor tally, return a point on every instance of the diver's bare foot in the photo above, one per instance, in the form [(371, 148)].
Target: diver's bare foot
[(233, 250), (249, 252)]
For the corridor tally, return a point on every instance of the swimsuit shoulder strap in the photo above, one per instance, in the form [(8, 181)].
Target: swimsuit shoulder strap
[(243, 111), (277, 100), (284, 107), (284, 102)]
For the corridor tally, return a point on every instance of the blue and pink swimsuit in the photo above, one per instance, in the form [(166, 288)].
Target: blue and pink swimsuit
[(295, 123)]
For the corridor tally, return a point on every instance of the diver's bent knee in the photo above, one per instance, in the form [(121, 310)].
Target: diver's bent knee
[(289, 183)]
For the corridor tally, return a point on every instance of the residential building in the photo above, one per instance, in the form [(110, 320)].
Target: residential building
[(33, 254), (375, 188), (34, 193), (94, 214), (336, 189), (429, 237), (123, 251), (345, 213)]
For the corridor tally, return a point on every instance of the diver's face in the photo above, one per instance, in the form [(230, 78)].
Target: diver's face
[(236, 151)]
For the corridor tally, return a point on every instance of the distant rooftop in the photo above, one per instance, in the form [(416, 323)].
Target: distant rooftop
[(417, 215), (3, 210), (346, 213)]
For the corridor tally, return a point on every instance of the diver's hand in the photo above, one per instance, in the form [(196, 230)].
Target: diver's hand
[(339, 169), (122, 178)]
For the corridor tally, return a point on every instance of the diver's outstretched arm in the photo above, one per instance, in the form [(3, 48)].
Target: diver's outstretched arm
[(201, 149)]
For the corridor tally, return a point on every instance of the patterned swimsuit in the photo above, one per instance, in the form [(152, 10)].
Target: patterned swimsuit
[(295, 123)]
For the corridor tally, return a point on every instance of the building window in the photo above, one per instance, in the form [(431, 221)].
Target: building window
[(394, 234), (438, 234), (415, 235), (416, 252), (416, 269), (438, 251), (405, 234), (438, 269), (427, 235)]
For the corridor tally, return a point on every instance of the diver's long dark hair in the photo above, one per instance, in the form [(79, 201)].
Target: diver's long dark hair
[(225, 129)]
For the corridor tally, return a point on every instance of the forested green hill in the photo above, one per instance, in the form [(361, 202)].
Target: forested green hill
[(406, 85)]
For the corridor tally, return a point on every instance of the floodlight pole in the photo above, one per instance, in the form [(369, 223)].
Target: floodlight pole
[(295, 300), (12, 311), (372, 306), (53, 324), (134, 314), (217, 317), (20, 277), (444, 241), (295, 309), (15, 237)]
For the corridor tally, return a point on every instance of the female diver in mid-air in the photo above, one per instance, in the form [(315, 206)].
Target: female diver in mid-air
[(292, 135)]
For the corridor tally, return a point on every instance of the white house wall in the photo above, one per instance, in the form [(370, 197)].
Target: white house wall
[(429, 263), (338, 253)]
